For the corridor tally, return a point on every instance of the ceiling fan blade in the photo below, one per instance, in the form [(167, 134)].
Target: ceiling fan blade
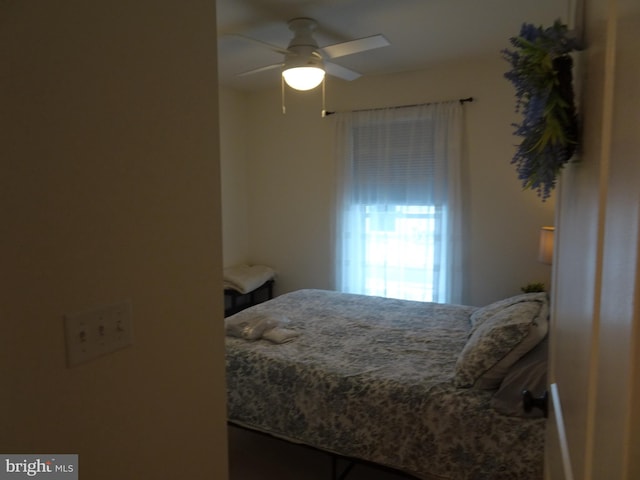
[(341, 72), (275, 48), (355, 46), (260, 69)]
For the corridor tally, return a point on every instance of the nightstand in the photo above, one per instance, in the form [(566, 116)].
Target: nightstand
[(235, 301)]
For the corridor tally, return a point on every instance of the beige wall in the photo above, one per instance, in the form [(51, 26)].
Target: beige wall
[(110, 191), (291, 172), (233, 170)]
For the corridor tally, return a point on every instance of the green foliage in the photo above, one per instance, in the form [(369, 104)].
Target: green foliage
[(541, 74), (533, 287)]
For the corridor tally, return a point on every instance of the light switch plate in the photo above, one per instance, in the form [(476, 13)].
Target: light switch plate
[(97, 332)]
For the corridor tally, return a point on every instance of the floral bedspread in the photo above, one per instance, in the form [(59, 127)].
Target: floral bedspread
[(371, 378)]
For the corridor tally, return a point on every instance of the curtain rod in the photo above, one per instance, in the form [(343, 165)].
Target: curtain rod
[(461, 100)]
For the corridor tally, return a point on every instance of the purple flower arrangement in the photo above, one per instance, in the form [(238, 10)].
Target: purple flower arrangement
[(541, 74)]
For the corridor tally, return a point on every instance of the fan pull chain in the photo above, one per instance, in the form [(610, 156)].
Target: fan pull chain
[(324, 110), (284, 109)]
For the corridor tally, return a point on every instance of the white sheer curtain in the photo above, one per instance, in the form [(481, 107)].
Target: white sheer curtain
[(398, 221)]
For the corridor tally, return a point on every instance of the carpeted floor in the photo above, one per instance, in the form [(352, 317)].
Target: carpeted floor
[(254, 456)]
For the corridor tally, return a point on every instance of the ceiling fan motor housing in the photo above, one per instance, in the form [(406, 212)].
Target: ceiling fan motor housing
[(303, 56), (303, 29), (303, 49)]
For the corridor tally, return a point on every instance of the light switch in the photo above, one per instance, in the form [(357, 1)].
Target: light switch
[(97, 332)]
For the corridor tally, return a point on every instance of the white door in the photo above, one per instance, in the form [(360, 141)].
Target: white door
[(594, 426)]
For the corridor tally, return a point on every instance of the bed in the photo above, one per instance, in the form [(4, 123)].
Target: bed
[(413, 386)]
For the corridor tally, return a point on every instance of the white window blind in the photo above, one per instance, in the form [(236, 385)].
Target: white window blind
[(394, 162)]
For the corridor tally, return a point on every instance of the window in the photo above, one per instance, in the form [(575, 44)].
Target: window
[(396, 234), (399, 251)]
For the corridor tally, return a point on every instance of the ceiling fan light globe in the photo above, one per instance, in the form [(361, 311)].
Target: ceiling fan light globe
[(303, 78)]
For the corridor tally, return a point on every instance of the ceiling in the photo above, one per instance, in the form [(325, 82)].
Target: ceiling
[(421, 32)]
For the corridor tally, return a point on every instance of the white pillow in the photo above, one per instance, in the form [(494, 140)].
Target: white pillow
[(501, 339), (481, 314)]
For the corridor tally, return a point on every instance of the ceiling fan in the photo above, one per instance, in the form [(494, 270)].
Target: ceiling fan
[(305, 64)]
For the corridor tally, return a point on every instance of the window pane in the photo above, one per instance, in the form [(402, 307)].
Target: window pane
[(399, 251)]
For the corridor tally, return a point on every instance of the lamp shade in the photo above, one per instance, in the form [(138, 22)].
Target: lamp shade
[(303, 78), (545, 250)]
